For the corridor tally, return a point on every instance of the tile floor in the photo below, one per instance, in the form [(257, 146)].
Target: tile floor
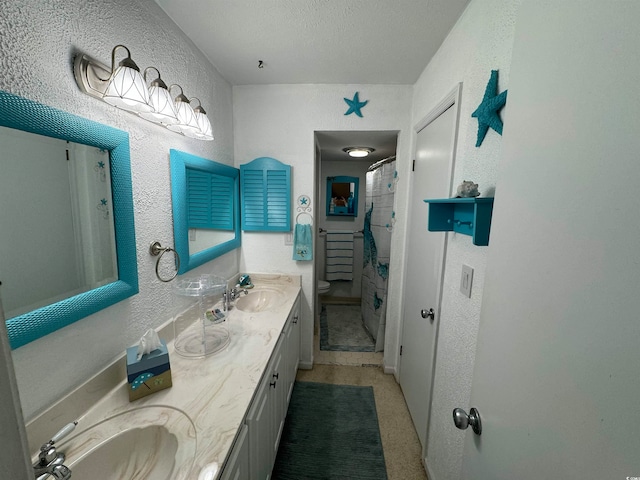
[(325, 357), (400, 443), (402, 449)]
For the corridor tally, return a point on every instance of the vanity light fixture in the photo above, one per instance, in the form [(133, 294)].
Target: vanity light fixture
[(205, 133), (124, 87), (358, 152), (187, 122), (163, 111)]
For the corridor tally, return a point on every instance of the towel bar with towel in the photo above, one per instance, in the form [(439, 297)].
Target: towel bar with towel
[(339, 255)]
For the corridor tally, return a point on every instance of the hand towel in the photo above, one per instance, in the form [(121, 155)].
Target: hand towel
[(302, 242)]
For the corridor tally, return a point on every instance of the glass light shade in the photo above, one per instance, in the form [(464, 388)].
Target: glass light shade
[(359, 152), (162, 104), (187, 123), (205, 132), (127, 90)]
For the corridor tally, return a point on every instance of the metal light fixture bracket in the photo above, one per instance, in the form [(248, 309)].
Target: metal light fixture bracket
[(91, 76)]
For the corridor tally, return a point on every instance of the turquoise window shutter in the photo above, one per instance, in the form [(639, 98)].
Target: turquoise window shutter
[(209, 200), (265, 185)]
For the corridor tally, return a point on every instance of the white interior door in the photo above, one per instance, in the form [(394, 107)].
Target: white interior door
[(425, 261), (556, 377)]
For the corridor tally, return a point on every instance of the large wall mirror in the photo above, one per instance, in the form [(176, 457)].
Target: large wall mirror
[(67, 239), (206, 208)]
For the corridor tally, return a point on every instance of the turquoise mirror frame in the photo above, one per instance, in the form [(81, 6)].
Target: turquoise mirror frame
[(23, 114), (180, 162), (336, 211)]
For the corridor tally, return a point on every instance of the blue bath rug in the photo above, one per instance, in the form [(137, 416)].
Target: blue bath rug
[(342, 329), (331, 433)]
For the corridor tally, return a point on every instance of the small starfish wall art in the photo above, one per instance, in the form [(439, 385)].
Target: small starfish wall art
[(355, 105), (487, 111)]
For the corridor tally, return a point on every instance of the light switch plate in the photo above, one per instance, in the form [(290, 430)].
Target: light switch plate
[(288, 238), (466, 280)]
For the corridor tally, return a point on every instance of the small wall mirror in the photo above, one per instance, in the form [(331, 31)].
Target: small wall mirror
[(67, 242), (342, 196), (206, 208)]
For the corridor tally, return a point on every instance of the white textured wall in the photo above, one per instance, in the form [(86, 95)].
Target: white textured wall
[(37, 45), (481, 41), (279, 121)]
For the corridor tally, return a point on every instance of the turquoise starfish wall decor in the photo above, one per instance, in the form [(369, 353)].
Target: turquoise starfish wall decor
[(355, 105), (487, 111)]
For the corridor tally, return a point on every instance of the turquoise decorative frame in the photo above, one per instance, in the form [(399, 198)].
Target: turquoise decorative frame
[(265, 187), (27, 115), (343, 179), (180, 161)]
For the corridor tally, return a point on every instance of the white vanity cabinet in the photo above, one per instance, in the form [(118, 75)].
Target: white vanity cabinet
[(237, 467), (292, 339), (266, 415)]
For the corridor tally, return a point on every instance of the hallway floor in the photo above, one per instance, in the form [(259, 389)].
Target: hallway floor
[(400, 443)]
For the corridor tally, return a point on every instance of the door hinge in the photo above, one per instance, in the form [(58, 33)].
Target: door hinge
[(413, 167), (400, 350), (67, 155)]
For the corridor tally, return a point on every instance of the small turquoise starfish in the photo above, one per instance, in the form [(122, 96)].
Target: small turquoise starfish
[(487, 111), (355, 105)]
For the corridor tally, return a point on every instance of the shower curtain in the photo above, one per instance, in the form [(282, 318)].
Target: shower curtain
[(378, 225)]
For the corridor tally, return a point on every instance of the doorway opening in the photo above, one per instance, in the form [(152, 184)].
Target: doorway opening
[(353, 248)]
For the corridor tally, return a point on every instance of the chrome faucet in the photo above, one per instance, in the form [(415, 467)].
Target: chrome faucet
[(230, 295), (50, 462)]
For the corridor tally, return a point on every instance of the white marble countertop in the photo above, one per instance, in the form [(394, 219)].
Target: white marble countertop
[(214, 392)]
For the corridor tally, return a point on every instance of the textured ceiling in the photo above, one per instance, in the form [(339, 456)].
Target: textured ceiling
[(317, 41)]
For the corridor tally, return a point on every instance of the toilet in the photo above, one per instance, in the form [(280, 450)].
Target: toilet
[(323, 287)]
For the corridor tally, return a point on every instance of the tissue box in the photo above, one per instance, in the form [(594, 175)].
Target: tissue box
[(150, 374)]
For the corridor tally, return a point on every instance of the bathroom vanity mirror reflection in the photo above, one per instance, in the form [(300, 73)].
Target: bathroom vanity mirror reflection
[(206, 208), (67, 242), (342, 196)]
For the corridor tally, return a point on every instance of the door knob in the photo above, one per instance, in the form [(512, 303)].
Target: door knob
[(462, 420), (428, 313)]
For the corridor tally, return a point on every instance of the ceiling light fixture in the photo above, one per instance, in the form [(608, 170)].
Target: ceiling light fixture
[(124, 87), (358, 152)]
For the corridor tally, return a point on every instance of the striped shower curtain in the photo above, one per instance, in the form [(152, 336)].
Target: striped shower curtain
[(378, 225)]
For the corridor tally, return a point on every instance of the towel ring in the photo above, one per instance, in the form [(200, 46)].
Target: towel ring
[(308, 215), (158, 250)]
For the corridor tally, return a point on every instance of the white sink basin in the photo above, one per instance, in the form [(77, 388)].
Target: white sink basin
[(260, 300), (151, 443)]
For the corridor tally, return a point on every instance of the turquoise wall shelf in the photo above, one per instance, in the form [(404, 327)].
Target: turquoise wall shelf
[(469, 216)]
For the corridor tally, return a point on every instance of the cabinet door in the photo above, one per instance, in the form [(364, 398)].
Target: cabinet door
[(259, 421), (278, 390), (292, 340), (237, 468)]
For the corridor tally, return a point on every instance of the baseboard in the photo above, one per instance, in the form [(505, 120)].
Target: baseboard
[(430, 474), (390, 370), (305, 366)]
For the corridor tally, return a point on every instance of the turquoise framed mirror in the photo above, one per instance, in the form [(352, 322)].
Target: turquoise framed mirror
[(206, 208), (342, 196), (98, 152)]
